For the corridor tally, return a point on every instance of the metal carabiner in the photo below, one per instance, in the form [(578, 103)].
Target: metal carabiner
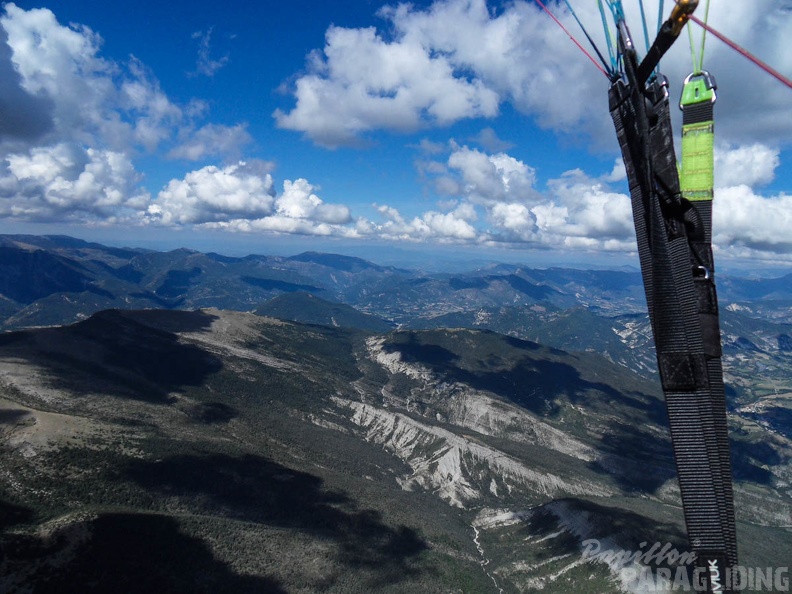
[(680, 15), (702, 272), (698, 91)]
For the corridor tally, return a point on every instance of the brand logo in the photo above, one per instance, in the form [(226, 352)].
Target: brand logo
[(714, 576), (660, 568)]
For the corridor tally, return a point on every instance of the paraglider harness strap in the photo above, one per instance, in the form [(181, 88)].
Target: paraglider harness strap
[(674, 237)]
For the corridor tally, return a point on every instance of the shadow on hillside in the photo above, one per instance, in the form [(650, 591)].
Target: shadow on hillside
[(177, 283), (779, 418), (612, 529), (532, 381), (172, 320), (255, 489), (543, 382), (271, 284), (528, 345), (751, 461), (11, 416), (635, 459), (645, 463), (12, 514), (128, 354), (125, 553)]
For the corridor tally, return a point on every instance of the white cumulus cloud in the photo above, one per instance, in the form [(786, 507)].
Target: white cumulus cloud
[(744, 219), (492, 198), (73, 124), (594, 211), (514, 223), (212, 194), (749, 165), (458, 59), (67, 181), (453, 226), (242, 198), (364, 83), (90, 100), (490, 178), (298, 201), (211, 140)]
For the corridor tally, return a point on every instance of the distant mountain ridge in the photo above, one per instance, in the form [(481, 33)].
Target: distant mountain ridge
[(338, 262), (100, 278), (307, 308), (27, 276), (54, 280)]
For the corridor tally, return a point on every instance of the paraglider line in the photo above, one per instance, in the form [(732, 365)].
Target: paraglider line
[(575, 41), (740, 50)]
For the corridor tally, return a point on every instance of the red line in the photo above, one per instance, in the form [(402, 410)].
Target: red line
[(771, 71), (580, 47)]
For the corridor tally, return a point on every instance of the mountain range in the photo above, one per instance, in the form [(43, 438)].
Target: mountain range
[(53, 280), (188, 422)]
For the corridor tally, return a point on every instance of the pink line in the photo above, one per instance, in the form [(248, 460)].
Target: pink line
[(580, 47), (771, 71)]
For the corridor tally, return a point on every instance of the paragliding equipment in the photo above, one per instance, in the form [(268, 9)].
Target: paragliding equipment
[(604, 70), (672, 215), (696, 166), (674, 235), (668, 34)]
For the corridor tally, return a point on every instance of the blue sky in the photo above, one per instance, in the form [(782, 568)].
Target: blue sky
[(456, 126)]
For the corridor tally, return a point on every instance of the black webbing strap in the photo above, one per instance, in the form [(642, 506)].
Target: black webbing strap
[(704, 283), (662, 43), (673, 237), (666, 36)]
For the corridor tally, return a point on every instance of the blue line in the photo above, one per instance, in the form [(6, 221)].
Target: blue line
[(617, 9), (645, 28), (591, 41), (611, 52), (618, 17)]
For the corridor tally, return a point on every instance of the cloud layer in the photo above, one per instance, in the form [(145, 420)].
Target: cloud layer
[(81, 98), (460, 59), (82, 123)]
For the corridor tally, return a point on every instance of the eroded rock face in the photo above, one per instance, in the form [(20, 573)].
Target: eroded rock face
[(440, 447), (457, 469)]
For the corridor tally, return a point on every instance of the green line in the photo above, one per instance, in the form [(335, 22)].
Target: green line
[(703, 38)]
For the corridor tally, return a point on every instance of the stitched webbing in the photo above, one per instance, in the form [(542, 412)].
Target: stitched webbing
[(696, 172), (698, 137), (673, 238), (697, 168)]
